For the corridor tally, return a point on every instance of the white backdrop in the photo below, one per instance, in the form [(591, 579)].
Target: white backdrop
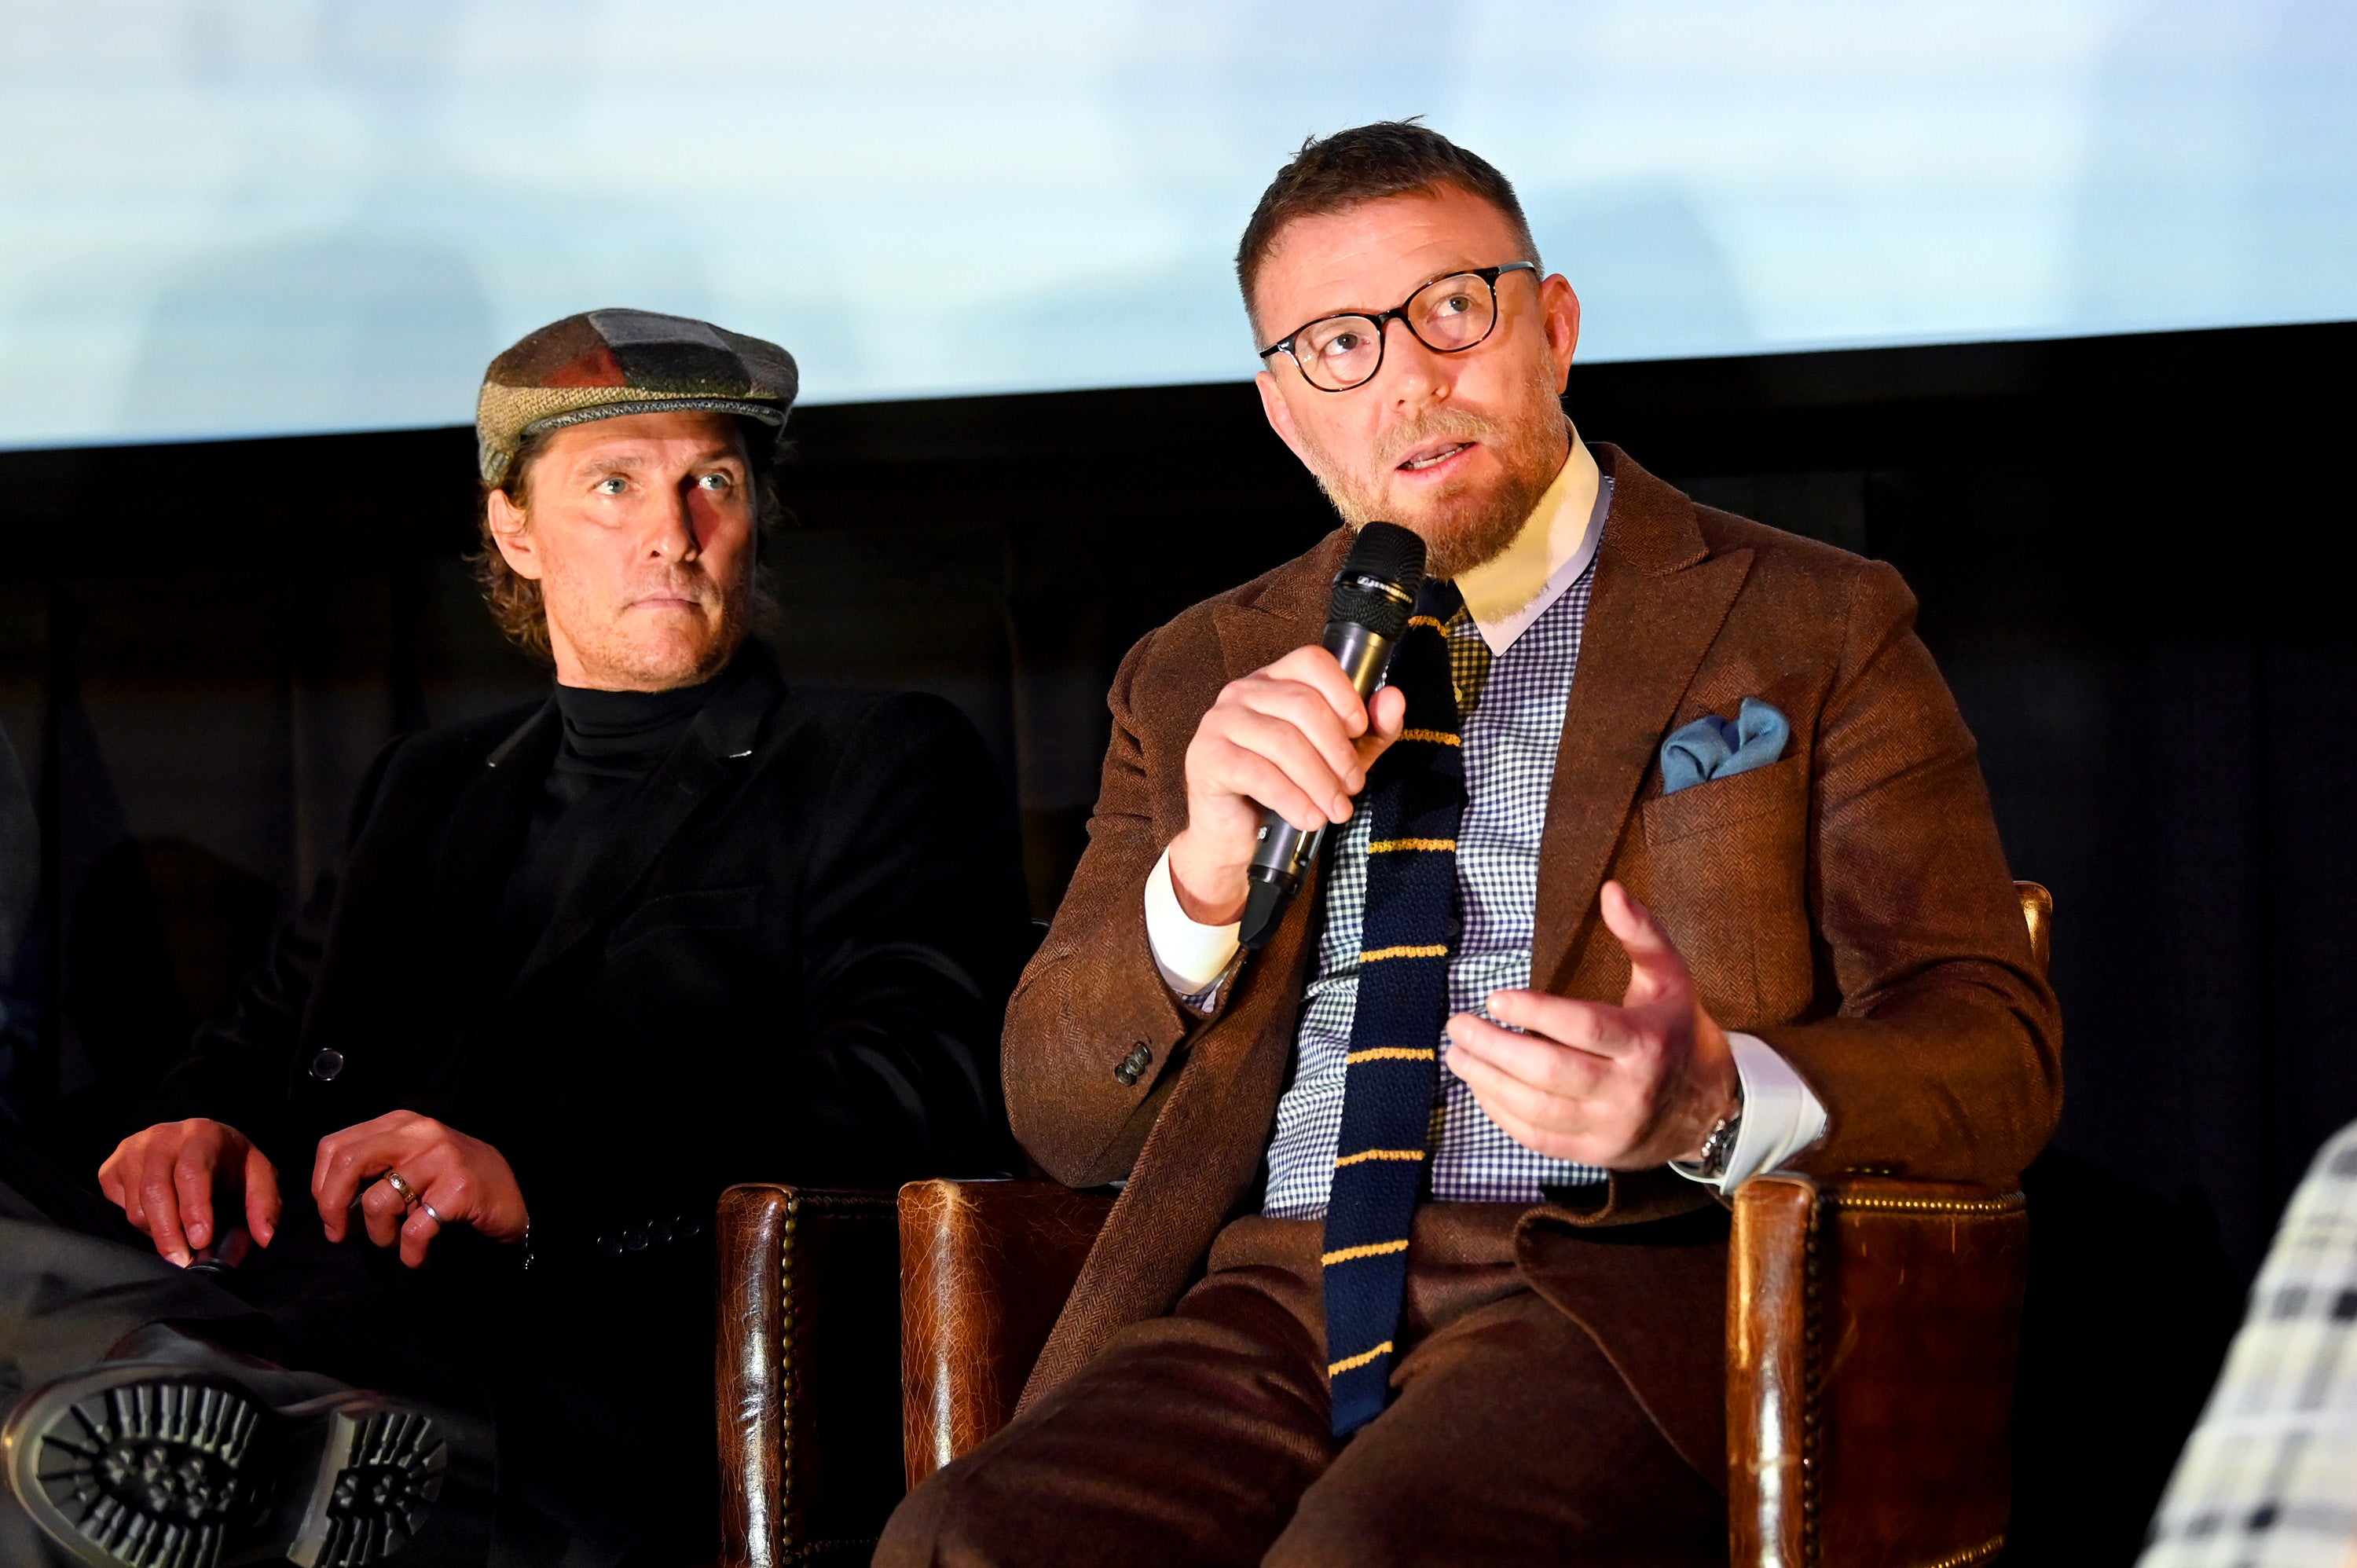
[(226, 216)]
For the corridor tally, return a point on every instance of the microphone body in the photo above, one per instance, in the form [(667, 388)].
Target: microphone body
[(1372, 595)]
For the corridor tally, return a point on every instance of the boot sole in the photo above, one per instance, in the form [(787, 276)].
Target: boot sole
[(146, 1466)]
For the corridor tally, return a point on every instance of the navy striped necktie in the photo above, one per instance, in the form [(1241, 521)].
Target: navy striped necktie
[(1415, 797)]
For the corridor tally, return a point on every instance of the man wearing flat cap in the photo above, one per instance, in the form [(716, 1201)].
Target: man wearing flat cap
[(585, 964)]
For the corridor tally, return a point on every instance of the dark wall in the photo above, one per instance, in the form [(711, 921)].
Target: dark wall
[(2131, 556)]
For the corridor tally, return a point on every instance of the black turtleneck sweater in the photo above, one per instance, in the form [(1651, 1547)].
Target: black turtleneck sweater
[(613, 742)]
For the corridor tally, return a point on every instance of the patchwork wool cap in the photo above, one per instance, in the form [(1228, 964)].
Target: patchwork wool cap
[(603, 364)]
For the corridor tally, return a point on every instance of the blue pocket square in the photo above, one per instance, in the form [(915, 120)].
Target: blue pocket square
[(1710, 747)]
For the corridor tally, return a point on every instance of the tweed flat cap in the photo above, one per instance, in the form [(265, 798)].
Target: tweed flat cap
[(602, 364)]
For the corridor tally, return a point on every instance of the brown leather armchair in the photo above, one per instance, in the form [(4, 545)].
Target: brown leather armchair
[(1871, 1329)]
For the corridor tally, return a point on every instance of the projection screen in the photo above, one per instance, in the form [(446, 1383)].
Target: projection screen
[(241, 217)]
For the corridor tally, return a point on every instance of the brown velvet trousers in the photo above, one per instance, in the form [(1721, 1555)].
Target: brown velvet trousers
[(1202, 1437)]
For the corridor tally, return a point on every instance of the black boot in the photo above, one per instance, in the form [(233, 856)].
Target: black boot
[(133, 1464)]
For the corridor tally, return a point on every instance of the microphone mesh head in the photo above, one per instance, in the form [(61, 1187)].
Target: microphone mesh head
[(1387, 553)]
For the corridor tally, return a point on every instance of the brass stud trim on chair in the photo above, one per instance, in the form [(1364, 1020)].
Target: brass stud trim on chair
[(785, 1364), (1980, 1208), (1970, 1555), (1811, 1383), (819, 1204)]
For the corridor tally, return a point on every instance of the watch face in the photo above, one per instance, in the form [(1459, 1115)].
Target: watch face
[(1719, 1145)]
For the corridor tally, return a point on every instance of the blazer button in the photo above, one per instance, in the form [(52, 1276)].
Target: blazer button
[(609, 1246), (326, 1065), (686, 1227), (1134, 1065), (659, 1231), (635, 1240)]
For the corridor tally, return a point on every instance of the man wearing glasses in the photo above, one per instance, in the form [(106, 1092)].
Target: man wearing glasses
[(1663, 859)]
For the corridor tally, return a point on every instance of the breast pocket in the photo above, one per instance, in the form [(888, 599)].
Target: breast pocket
[(1726, 868), (1779, 788), (710, 909)]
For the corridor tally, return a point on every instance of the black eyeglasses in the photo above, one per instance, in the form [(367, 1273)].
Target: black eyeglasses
[(1448, 316)]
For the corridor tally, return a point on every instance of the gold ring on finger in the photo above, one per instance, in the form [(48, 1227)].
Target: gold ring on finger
[(409, 1196)]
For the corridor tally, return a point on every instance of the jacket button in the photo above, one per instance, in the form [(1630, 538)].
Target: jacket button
[(326, 1065), (635, 1240), (1134, 1065), (659, 1231), (687, 1227), (609, 1247)]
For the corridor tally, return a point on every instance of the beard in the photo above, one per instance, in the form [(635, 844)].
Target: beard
[(1469, 523)]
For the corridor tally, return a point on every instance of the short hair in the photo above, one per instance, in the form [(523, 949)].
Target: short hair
[(514, 598), (1368, 163)]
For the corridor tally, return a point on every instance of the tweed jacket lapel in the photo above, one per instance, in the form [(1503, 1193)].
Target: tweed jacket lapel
[(1288, 611), (1656, 605)]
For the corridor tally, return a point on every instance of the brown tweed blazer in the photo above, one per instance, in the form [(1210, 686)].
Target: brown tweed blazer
[(1849, 904)]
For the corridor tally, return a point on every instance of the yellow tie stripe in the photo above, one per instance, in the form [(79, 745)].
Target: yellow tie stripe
[(1353, 1363), (1372, 1249), (1434, 950), (1436, 736), (1390, 1053), (1385, 846), (1365, 1154), (1468, 662)]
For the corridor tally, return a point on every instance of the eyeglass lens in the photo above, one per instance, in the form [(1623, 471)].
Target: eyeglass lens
[(1446, 314)]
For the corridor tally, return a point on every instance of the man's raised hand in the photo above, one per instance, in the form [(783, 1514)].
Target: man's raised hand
[(1620, 1088), (165, 1178), (464, 1180), (1294, 738)]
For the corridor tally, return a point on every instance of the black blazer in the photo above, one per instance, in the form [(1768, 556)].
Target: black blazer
[(791, 966)]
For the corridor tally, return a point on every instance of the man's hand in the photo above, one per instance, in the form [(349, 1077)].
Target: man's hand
[(1621, 1088), (1294, 738), (164, 1178), (465, 1180)]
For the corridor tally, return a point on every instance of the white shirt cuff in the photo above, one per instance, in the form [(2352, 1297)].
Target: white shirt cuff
[(1781, 1115), (1193, 958)]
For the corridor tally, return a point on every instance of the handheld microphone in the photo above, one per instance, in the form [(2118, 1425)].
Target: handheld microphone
[(1373, 593)]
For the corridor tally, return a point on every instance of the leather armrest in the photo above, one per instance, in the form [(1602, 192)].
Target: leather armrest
[(1872, 1325), (984, 1268), (808, 1360)]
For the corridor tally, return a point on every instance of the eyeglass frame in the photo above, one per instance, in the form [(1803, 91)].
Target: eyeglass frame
[(1489, 275)]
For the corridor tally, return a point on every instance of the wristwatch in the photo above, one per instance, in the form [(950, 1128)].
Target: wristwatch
[(1718, 1143)]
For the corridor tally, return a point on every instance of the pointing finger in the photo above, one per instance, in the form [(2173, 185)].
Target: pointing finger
[(1655, 969)]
